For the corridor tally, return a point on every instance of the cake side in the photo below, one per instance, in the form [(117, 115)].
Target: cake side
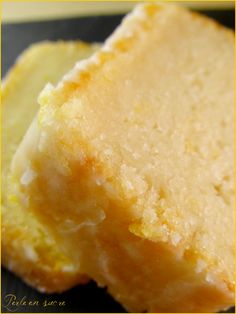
[(200, 148)]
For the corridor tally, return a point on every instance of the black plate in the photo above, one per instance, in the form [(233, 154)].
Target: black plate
[(15, 38)]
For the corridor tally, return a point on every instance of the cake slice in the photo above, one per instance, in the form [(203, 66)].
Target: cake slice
[(28, 247), (129, 163)]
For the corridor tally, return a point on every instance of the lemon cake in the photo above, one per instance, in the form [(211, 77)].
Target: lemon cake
[(28, 248), (129, 163)]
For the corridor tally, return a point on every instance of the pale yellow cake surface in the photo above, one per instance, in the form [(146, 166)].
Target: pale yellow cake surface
[(130, 163), (28, 247)]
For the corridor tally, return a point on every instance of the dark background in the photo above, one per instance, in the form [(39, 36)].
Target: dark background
[(15, 38)]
